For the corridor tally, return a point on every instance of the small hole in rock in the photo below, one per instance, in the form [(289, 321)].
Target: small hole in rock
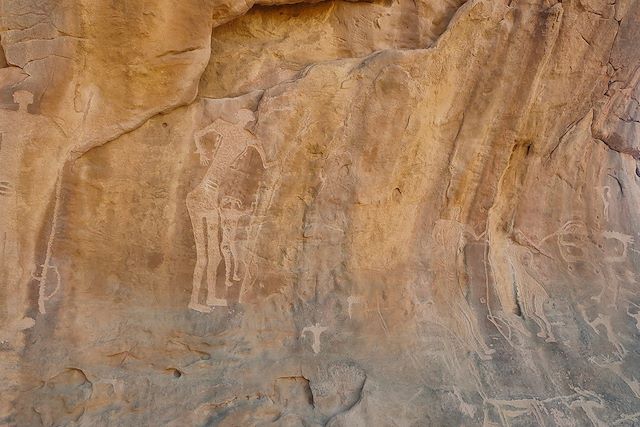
[(175, 372), (164, 125)]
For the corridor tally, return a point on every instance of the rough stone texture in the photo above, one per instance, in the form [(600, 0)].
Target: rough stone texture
[(233, 213)]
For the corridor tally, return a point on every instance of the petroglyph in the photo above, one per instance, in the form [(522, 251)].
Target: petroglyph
[(605, 194), (627, 419), (512, 409), (615, 364), (635, 316), (449, 240), (465, 408), (211, 211), (351, 300), (506, 324), (315, 330), (571, 241), (577, 245), (571, 238), (15, 142), (259, 207), (386, 237), (542, 411), (42, 288), (531, 293), (230, 214), (624, 239), (47, 264), (605, 322)]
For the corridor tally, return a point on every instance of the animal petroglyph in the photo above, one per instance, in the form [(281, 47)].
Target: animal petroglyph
[(315, 330), (605, 322), (449, 239), (528, 291), (558, 409), (571, 238), (624, 239), (214, 216), (532, 294), (575, 245), (465, 408), (512, 409), (614, 362), (635, 316)]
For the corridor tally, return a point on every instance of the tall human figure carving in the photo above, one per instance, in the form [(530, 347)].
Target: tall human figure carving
[(205, 205)]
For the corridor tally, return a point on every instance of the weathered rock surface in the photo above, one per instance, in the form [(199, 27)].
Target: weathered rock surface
[(234, 213)]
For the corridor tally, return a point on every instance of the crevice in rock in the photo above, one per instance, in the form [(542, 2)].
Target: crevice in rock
[(633, 152), (308, 393), (3, 58), (516, 292)]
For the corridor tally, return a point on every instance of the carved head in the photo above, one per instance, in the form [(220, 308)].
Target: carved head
[(245, 116), (23, 98)]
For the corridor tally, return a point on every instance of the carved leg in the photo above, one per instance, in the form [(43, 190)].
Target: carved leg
[(538, 307), (483, 350), (236, 264), (226, 254), (213, 249), (201, 260)]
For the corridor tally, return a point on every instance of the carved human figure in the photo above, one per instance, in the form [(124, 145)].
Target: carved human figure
[(316, 330), (205, 205)]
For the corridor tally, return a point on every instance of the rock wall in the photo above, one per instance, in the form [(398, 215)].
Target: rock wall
[(235, 213)]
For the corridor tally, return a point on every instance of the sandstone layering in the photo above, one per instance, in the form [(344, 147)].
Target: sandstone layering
[(384, 213)]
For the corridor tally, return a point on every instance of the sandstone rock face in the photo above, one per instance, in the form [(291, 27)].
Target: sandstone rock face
[(238, 213)]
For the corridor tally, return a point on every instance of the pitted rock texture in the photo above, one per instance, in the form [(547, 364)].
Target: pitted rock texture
[(240, 213)]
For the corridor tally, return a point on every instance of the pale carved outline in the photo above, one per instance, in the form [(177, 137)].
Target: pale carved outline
[(215, 216)]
